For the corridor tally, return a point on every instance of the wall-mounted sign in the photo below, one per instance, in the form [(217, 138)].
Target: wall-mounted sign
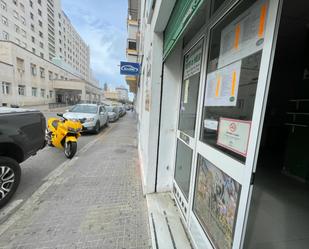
[(234, 135), (222, 86), (129, 68)]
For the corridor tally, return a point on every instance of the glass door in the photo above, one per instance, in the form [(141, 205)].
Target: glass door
[(186, 133), (232, 104)]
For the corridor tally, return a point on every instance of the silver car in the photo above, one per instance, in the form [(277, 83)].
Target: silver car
[(113, 114), (92, 116)]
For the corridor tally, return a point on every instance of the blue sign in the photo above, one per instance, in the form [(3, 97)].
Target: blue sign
[(129, 68)]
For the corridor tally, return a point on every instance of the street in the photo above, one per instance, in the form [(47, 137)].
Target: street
[(94, 200), (37, 168)]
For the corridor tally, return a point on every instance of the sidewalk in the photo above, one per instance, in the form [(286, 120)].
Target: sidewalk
[(93, 201)]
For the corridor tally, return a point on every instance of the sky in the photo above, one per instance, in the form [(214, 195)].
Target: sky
[(102, 25)]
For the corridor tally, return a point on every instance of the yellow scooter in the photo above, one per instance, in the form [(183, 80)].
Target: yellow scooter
[(63, 134)]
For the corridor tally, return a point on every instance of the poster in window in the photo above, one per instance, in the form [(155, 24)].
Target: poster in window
[(222, 86), (216, 203), (193, 61), (234, 135), (245, 35)]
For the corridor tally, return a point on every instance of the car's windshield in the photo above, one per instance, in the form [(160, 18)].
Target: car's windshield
[(84, 109), (109, 108)]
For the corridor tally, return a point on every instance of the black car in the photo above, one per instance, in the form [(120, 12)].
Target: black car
[(22, 134)]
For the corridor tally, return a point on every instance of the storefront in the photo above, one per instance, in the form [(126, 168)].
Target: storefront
[(220, 70)]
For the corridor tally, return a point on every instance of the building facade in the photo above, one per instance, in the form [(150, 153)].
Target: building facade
[(133, 40), (222, 106), (43, 40), (123, 93)]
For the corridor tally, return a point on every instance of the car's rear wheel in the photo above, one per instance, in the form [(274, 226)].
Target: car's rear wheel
[(70, 149), (9, 179)]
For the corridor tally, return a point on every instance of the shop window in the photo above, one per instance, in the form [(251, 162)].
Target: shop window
[(232, 75), (216, 198), (190, 88), (183, 167)]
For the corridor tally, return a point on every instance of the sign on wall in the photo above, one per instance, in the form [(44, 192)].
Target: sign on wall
[(129, 68)]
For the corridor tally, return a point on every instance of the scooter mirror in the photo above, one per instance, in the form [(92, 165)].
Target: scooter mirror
[(60, 115)]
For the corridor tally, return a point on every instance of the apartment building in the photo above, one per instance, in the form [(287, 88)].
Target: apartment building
[(43, 36), (133, 40)]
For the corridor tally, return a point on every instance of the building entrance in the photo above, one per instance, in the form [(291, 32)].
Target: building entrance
[(278, 216)]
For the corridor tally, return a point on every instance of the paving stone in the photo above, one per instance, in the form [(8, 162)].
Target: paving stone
[(95, 203)]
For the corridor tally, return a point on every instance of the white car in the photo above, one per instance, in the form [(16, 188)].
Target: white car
[(92, 116)]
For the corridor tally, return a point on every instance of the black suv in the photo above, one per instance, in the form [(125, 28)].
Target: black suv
[(22, 134)]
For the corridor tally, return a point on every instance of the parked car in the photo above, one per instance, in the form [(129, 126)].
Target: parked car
[(113, 114), (122, 111), (22, 134), (92, 116)]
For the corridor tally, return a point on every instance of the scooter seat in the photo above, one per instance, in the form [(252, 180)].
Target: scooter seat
[(55, 123)]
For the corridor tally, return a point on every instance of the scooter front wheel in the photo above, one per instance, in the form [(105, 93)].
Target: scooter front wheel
[(70, 149)]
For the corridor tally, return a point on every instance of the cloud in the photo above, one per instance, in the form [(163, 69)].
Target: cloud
[(104, 30)]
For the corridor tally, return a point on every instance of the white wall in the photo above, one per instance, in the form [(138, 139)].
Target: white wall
[(169, 114)]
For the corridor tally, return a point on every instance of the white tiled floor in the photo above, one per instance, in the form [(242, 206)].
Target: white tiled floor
[(279, 215)]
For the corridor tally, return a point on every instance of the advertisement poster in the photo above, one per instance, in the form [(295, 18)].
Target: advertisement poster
[(234, 135), (245, 35), (222, 86), (215, 203), (193, 61)]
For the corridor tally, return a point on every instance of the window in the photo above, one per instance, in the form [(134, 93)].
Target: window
[(31, 16), (17, 29), (43, 93), (34, 92), (22, 90), (50, 75), (33, 50), (41, 45), (6, 88), (39, 12), (232, 77), (31, 3), (42, 72), (3, 5), (51, 94), (17, 41), (5, 35), (56, 76), (190, 89), (33, 39), (24, 45), (23, 20), (5, 21), (183, 167), (42, 55), (23, 33), (33, 68), (32, 27), (41, 34), (22, 7), (40, 23), (39, 2), (15, 14), (132, 45), (15, 2)]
